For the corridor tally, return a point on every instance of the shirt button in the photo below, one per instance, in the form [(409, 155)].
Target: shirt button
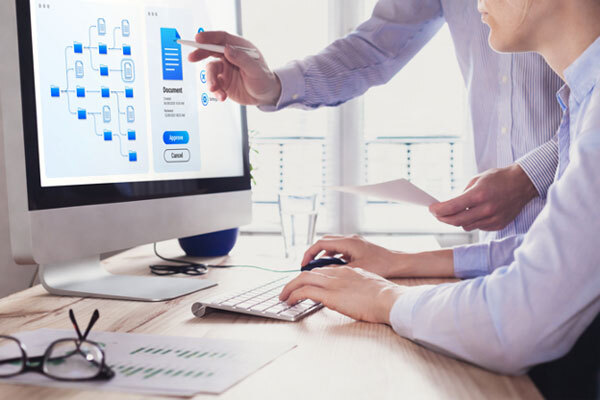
[(504, 79), (504, 130), (295, 97)]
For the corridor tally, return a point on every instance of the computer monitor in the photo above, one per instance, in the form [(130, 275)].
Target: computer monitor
[(113, 140)]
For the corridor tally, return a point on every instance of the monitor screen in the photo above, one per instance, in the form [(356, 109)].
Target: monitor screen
[(119, 114)]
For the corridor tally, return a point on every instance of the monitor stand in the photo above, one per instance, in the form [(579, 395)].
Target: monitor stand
[(88, 278)]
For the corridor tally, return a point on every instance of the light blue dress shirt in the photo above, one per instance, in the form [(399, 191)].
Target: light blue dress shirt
[(511, 97), (538, 300)]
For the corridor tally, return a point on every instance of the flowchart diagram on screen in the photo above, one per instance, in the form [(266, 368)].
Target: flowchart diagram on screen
[(99, 86)]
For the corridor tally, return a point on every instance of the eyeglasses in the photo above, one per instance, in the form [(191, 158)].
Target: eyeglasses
[(65, 359)]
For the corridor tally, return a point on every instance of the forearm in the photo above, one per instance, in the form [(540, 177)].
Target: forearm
[(467, 261), (369, 56), (479, 259), (437, 263), (540, 166), (533, 310)]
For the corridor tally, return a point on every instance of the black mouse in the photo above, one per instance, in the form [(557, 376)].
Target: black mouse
[(321, 262)]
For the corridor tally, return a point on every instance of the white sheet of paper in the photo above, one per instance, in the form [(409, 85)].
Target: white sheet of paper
[(160, 365), (399, 190)]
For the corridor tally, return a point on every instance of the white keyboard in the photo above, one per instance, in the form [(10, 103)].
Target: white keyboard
[(261, 300)]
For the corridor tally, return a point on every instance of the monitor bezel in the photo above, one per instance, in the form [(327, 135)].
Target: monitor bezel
[(52, 197)]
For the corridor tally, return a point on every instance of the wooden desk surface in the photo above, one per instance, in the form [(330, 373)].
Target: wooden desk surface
[(336, 357)]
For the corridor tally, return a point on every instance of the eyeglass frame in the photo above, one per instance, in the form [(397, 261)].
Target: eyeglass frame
[(104, 371)]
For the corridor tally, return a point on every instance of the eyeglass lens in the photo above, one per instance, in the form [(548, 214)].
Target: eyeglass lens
[(12, 360), (71, 359)]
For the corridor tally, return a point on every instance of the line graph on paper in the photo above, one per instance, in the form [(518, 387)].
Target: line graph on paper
[(91, 92)]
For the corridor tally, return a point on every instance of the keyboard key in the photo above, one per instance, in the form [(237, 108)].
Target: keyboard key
[(230, 302), (277, 308), (288, 313), (300, 307), (246, 305), (263, 306)]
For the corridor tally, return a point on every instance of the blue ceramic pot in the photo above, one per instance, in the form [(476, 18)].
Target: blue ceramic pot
[(215, 244)]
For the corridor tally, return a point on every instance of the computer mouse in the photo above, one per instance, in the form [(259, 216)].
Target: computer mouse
[(321, 262)]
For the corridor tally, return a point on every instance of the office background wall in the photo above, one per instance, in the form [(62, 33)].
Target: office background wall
[(412, 127)]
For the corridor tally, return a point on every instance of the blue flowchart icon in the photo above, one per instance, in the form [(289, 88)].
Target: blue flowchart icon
[(131, 135), (102, 48), (77, 48), (132, 156), (54, 91), (81, 113), (108, 135), (172, 63), (129, 93), (103, 70), (105, 92), (126, 50), (80, 91)]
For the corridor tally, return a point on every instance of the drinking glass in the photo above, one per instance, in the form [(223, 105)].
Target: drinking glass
[(298, 214)]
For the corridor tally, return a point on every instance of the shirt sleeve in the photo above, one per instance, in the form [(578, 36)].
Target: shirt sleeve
[(534, 309), (369, 56), (540, 165), (479, 259)]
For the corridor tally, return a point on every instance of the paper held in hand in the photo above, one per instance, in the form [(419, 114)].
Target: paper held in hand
[(399, 190)]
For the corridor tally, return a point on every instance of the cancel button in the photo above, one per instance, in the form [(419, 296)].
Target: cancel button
[(177, 155)]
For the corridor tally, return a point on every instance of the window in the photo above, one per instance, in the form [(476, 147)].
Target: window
[(412, 127)]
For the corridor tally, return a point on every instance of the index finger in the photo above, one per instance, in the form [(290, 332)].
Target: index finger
[(330, 246), (452, 206), (306, 278), (215, 37), (222, 38)]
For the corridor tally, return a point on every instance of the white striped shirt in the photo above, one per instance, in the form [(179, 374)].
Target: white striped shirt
[(534, 302)]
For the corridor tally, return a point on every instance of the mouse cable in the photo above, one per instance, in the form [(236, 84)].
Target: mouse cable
[(194, 268)]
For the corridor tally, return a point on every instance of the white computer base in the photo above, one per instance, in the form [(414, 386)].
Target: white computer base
[(88, 278)]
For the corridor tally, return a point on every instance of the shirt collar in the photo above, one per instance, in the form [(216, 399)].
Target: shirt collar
[(583, 73), (563, 97)]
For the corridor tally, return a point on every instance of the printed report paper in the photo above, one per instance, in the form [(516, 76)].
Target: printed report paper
[(399, 190), (159, 365)]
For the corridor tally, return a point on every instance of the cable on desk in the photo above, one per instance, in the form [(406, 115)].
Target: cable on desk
[(193, 268)]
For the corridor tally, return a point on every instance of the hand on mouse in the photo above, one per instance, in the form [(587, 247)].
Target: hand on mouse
[(358, 252), (235, 74), (354, 292)]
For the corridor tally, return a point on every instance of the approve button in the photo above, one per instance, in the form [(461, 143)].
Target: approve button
[(176, 137), (177, 155)]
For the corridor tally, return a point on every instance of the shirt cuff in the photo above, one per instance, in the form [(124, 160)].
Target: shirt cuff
[(540, 166), (401, 314), (471, 261), (292, 87)]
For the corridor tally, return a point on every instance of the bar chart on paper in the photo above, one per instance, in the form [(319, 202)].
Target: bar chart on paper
[(163, 365)]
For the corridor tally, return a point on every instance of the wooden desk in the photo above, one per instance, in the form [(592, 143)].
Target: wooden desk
[(336, 357)]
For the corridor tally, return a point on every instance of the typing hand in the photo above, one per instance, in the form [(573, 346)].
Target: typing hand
[(358, 252), (490, 202), (235, 74), (351, 291)]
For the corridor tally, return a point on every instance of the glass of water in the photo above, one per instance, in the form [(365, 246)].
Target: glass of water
[(298, 213)]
